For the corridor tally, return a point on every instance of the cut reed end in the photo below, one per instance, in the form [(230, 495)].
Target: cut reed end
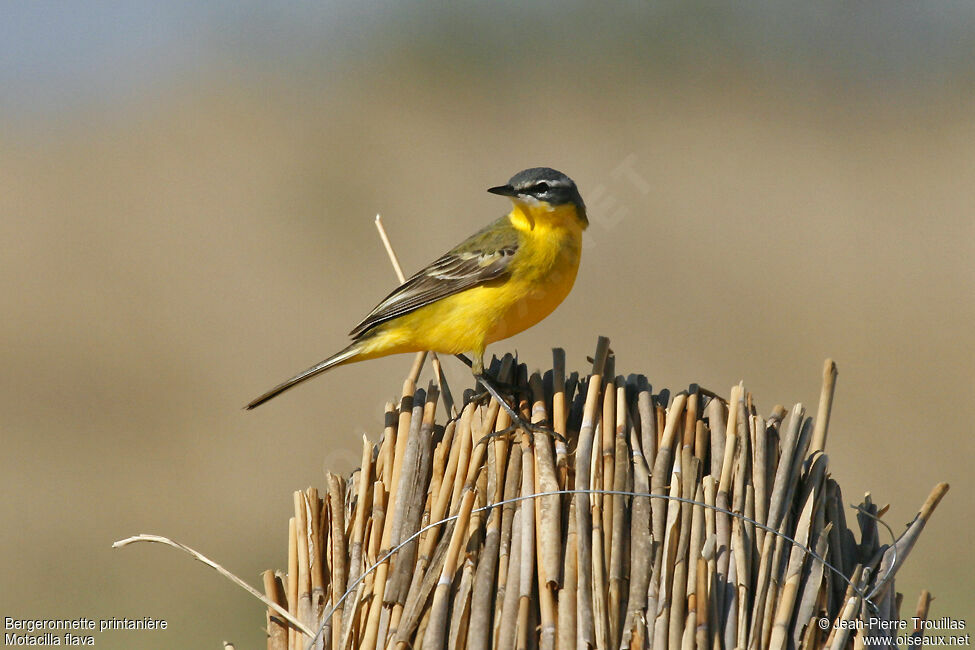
[(668, 518)]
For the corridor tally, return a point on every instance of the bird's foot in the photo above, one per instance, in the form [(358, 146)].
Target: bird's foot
[(494, 389)]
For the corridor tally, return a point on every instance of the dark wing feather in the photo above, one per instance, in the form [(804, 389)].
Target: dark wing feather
[(482, 258)]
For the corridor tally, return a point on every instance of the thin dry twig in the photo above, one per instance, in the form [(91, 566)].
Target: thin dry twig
[(434, 359), (159, 539)]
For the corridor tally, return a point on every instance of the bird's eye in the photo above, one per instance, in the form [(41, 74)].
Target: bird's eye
[(540, 188)]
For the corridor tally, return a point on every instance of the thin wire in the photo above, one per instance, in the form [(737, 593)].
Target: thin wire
[(893, 549), (856, 590)]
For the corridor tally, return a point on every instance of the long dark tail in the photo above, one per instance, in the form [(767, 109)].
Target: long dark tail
[(320, 367)]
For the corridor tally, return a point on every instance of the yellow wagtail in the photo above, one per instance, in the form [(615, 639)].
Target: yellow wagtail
[(498, 282)]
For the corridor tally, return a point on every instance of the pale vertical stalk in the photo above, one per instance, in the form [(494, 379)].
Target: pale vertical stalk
[(480, 626), (717, 419), (352, 616), (338, 546), (387, 448), (663, 465), (421, 589), (618, 545), (421, 631), (778, 504), (760, 474), (608, 457), (317, 545), (640, 544), (841, 632), (466, 443), (585, 633), (436, 500), (694, 565), (731, 606), (920, 615), (461, 607), (814, 589), (559, 415), (361, 512), (723, 499), (377, 522), (566, 639), (277, 628), (668, 552), (749, 557), (790, 588), (527, 562), (690, 419), (435, 634), (412, 490), (702, 441), (548, 522), (741, 540), (305, 613), (818, 442), (648, 423), (702, 637), (447, 473), (292, 578), (599, 612), (678, 582), (507, 620), (665, 513), (506, 557), (372, 637)]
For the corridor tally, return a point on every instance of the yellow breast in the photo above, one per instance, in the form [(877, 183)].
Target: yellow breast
[(540, 276), (543, 272)]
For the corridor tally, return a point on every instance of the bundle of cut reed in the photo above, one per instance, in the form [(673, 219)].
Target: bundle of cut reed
[(650, 520)]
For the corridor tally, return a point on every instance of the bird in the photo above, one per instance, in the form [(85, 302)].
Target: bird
[(501, 280)]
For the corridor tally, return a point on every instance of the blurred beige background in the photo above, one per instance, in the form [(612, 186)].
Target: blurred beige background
[(186, 206)]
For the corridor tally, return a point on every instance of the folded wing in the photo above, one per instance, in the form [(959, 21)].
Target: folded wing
[(482, 258)]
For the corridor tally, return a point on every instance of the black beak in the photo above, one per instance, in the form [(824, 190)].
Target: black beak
[(503, 190)]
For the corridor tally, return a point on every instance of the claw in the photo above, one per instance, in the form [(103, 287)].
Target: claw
[(518, 422)]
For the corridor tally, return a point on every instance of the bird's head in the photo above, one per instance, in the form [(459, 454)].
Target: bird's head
[(543, 187)]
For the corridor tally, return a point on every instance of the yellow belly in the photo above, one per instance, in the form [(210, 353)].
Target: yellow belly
[(538, 280), (469, 321)]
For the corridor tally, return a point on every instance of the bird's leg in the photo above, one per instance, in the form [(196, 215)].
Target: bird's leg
[(507, 388), (518, 422), (497, 387), (491, 385)]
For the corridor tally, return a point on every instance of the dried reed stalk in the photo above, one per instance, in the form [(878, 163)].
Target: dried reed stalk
[(677, 521)]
